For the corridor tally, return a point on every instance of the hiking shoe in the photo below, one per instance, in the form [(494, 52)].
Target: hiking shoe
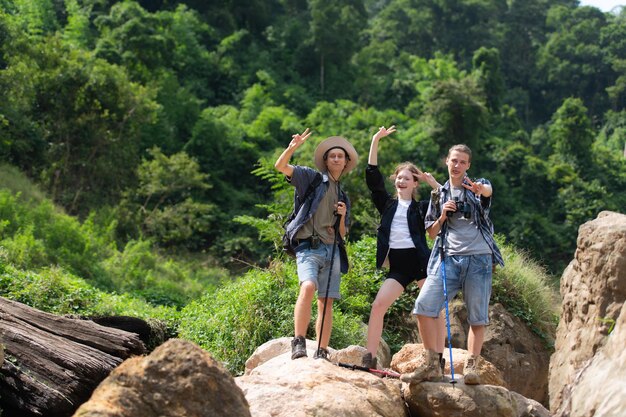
[(429, 371), (470, 371), (368, 361), (442, 363), (321, 353), (298, 347)]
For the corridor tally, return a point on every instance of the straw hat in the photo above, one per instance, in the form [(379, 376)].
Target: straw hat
[(335, 142)]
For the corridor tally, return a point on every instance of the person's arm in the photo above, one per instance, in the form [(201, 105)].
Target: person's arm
[(434, 218), (382, 132), (282, 163)]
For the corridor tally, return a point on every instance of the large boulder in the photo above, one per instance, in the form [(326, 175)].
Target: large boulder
[(598, 388), (435, 399), (593, 288), (521, 356), (178, 379), (279, 386)]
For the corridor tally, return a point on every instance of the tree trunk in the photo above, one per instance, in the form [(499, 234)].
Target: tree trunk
[(52, 363)]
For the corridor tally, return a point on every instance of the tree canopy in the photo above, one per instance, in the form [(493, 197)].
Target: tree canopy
[(158, 112)]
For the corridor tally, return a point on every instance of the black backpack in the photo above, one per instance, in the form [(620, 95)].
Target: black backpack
[(288, 246)]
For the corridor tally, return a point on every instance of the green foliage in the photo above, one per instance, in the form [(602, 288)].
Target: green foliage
[(526, 290), (56, 291), (240, 316), (35, 234), (165, 200)]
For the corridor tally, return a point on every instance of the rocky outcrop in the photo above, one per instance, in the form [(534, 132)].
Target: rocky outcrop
[(279, 386), (588, 364), (178, 379), (434, 399), (53, 363), (598, 389)]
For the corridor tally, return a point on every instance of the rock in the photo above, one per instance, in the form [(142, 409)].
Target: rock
[(431, 399), (53, 363), (598, 389), (178, 379), (315, 387), (593, 288), (527, 407), (520, 355), (276, 347)]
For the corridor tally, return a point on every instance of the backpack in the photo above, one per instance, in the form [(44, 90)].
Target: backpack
[(288, 246)]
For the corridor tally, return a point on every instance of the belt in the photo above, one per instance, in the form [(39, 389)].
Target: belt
[(308, 240)]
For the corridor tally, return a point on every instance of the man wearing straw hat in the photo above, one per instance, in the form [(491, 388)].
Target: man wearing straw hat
[(313, 230)]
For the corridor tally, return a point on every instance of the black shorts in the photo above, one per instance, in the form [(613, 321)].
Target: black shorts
[(404, 266)]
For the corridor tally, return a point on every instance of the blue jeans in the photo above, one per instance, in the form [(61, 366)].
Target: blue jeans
[(314, 266), (468, 273)]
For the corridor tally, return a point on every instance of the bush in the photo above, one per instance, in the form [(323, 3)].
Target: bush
[(35, 234), (524, 288), (56, 291), (239, 317)]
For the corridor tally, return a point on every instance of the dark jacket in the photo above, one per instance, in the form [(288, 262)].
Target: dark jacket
[(387, 205)]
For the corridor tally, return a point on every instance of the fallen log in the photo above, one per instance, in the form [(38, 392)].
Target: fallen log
[(52, 363)]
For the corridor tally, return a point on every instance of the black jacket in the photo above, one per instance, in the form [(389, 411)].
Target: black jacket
[(387, 205)]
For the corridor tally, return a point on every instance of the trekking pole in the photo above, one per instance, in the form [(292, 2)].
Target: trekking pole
[(330, 272), (382, 373), (442, 235)]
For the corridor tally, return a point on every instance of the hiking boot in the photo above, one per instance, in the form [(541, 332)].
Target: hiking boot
[(470, 371), (442, 363), (368, 361), (429, 371), (298, 347), (321, 353)]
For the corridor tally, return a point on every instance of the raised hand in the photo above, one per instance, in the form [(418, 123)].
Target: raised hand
[(428, 178), (299, 138), (477, 188), (382, 132)]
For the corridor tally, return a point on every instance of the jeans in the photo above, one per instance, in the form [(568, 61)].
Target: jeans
[(468, 273), (314, 266)]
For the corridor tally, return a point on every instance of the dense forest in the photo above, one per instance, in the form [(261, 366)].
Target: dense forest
[(160, 120)]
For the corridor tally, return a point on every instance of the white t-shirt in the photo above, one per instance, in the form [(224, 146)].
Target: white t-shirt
[(400, 237)]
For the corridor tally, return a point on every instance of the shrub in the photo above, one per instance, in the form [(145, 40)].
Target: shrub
[(56, 291), (524, 288), (232, 322)]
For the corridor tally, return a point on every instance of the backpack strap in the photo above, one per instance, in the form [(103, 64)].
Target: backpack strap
[(316, 181)]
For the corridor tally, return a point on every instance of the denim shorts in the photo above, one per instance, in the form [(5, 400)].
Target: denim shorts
[(468, 273), (314, 266)]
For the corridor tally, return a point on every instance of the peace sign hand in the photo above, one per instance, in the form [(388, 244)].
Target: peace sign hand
[(382, 132), (299, 138), (477, 188)]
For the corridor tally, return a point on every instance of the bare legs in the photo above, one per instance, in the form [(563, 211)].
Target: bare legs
[(431, 332), (302, 314), (324, 339), (475, 339), (387, 294), (302, 311)]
